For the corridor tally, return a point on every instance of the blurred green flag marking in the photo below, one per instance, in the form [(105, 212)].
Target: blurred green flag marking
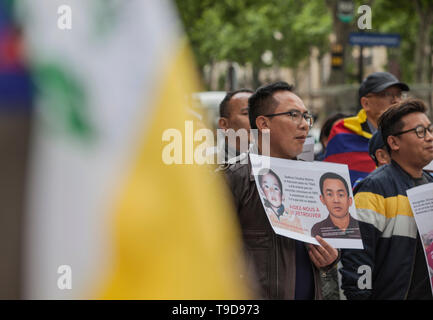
[(63, 101)]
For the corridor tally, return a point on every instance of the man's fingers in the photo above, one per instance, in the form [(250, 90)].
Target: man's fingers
[(332, 253), (314, 252), (325, 254), (322, 255), (318, 252), (324, 244), (314, 260)]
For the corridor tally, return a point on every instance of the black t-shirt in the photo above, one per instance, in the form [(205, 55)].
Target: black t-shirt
[(304, 283), (420, 285)]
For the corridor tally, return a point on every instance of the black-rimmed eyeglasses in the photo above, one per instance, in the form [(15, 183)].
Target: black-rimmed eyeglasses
[(420, 131), (296, 116)]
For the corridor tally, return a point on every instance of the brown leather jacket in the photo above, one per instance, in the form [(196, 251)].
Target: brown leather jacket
[(270, 258)]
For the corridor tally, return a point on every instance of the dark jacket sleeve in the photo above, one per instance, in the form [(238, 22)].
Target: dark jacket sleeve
[(234, 180), (358, 264)]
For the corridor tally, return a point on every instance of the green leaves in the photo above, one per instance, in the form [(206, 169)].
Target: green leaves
[(242, 30)]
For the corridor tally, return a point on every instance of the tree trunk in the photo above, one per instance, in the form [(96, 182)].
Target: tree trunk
[(424, 10), (256, 81)]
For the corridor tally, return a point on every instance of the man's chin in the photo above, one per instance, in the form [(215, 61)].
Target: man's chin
[(338, 215)]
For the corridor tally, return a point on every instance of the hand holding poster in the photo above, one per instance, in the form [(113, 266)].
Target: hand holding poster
[(421, 202), (305, 199)]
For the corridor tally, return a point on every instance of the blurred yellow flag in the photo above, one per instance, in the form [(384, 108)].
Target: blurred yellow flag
[(176, 238)]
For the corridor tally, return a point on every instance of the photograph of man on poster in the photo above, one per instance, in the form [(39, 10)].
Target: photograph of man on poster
[(428, 247), (272, 188), (334, 194)]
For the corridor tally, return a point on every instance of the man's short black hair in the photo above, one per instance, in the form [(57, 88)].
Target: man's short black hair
[(262, 101), (332, 175), (390, 121), (224, 105)]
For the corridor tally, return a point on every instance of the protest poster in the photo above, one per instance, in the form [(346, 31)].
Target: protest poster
[(429, 167), (307, 150), (421, 202), (304, 199)]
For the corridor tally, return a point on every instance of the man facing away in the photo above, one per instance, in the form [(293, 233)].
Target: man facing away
[(348, 141), (283, 268), (392, 263)]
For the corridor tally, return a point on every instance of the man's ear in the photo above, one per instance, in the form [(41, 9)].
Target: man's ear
[(262, 123), (393, 143), (223, 123), (350, 201), (323, 201), (382, 156), (364, 103)]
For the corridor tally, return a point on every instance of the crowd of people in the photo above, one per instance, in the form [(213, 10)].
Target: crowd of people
[(385, 146)]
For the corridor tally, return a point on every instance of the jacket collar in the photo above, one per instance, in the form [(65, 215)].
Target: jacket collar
[(254, 150), (407, 178)]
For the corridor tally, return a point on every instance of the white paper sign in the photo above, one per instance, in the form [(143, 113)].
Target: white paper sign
[(296, 206), (421, 202), (308, 150), (429, 167)]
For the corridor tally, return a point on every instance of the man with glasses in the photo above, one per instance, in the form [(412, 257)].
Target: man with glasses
[(392, 264), (282, 268), (348, 140)]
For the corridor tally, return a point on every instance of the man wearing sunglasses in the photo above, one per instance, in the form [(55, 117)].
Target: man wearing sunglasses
[(392, 264), (282, 268), (348, 140)]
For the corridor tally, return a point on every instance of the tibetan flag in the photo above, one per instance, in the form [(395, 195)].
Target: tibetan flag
[(348, 144), (106, 216)]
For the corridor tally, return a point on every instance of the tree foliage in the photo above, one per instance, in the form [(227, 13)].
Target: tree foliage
[(400, 17), (242, 30)]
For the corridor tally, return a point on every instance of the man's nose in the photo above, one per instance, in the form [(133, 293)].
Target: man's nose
[(305, 125)]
